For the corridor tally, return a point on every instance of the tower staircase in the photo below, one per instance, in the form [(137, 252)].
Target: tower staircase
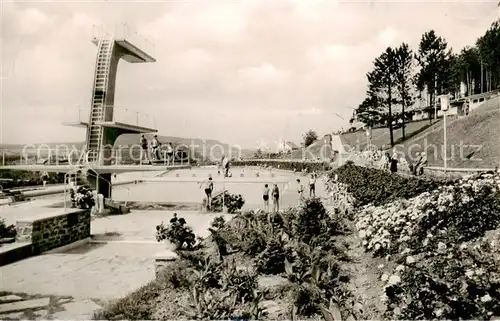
[(97, 112)]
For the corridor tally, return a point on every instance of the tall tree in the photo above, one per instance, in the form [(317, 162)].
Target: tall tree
[(403, 79), (433, 59), (369, 112), (382, 84), (489, 51), (468, 69), (310, 137)]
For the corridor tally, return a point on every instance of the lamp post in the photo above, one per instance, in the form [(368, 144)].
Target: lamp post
[(445, 100)]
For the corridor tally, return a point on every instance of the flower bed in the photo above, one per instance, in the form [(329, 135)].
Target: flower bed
[(431, 236), (298, 250), (373, 186)]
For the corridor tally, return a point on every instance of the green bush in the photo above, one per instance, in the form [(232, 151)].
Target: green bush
[(297, 166), (7, 231), (177, 232), (233, 202), (368, 185)]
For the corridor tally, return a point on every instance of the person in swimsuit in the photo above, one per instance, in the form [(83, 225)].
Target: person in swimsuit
[(265, 196), (208, 187), (145, 152), (312, 185), (300, 191), (276, 198)]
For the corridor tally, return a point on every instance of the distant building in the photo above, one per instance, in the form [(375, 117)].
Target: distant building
[(458, 107), (287, 147)]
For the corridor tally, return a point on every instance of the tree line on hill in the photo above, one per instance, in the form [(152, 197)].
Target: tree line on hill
[(400, 75)]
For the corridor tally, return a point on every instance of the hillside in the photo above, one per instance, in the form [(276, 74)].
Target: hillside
[(473, 141), (380, 136), (203, 149)]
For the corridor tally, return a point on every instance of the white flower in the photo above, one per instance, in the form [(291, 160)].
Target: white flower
[(384, 277), (410, 260), (441, 246), (394, 279), (463, 246), (469, 273), (400, 268), (479, 271), (406, 251), (486, 298), (380, 266)]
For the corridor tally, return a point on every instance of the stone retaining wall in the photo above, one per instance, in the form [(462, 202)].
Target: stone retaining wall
[(55, 229)]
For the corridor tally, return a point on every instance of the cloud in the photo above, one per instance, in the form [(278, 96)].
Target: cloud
[(225, 70)]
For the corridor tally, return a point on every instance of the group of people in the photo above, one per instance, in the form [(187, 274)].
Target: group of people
[(155, 150), (267, 193), (390, 163)]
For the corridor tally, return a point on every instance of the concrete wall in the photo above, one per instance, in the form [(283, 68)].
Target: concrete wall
[(54, 229)]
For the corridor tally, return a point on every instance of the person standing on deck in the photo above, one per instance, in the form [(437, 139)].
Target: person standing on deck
[(155, 145), (208, 187), (312, 185), (170, 153), (265, 197), (144, 149), (300, 191), (276, 198)]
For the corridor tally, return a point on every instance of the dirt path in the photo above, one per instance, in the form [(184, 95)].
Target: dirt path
[(366, 285)]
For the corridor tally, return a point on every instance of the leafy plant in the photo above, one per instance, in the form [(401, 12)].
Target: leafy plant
[(233, 202), (177, 232), (82, 198), (210, 305), (240, 283), (272, 259), (7, 231)]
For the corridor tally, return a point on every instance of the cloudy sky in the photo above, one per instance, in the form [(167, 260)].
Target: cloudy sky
[(237, 71)]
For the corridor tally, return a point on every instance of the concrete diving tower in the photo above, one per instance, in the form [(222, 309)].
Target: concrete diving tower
[(103, 127)]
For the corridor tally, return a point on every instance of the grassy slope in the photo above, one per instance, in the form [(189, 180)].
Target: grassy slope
[(476, 137), (380, 136)]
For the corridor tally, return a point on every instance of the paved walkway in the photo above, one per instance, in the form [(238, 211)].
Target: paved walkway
[(120, 261)]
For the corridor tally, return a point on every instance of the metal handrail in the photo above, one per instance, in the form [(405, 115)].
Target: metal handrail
[(119, 114)]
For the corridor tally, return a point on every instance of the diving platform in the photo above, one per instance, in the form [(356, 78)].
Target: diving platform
[(134, 48), (124, 119), (124, 127)]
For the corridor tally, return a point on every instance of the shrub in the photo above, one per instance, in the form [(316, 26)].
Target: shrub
[(272, 259), (297, 166), (240, 283), (7, 231), (177, 232), (368, 185), (233, 202), (82, 198)]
